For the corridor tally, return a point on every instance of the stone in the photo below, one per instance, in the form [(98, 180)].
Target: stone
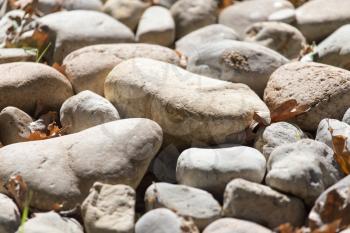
[(164, 3), (88, 67), (191, 43), (14, 125), (346, 117), (191, 109), (49, 6), (16, 55), (324, 135), (319, 18), (164, 165), (10, 217), (251, 201), (281, 37), (284, 16), (51, 222), (63, 169), (331, 205), (151, 30), (238, 62), (212, 169), (128, 12), (163, 220), (277, 134), (86, 110), (82, 29), (335, 49), (230, 225), (185, 201), (190, 15), (26, 85), (241, 15), (297, 81), (305, 169), (109, 208)]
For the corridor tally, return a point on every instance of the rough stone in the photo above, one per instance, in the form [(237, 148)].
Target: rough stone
[(51, 222), (26, 85), (87, 68), (191, 43), (86, 110), (63, 169), (109, 208), (191, 109), (281, 37), (190, 15), (230, 225), (335, 49), (163, 220), (238, 62), (261, 204), (16, 55), (277, 134), (82, 29), (128, 12), (305, 169), (297, 81), (184, 200), (14, 125), (243, 14), (212, 169), (319, 18), (154, 31), (10, 217)]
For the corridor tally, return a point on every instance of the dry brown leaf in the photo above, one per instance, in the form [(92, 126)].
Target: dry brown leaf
[(57, 207), (298, 3), (287, 110), (45, 127), (60, 68), (17, 189), (328, 228), (36, 135), (333, 212), (41, 36), (225, 3), (341, 153)]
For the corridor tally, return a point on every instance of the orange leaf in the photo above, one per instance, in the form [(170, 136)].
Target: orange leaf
[(225, 3), (60, 68), (41, 36), (287, 110), (341, 153), (37, 135), (57, 207)]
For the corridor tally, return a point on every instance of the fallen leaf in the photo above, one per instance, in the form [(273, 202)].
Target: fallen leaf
[(328, 228), (60, 68), (225, 3), (287, 110), (333, 213), (41, 36), (57, 207), (45, 127), (17, 189), (341, 153)]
